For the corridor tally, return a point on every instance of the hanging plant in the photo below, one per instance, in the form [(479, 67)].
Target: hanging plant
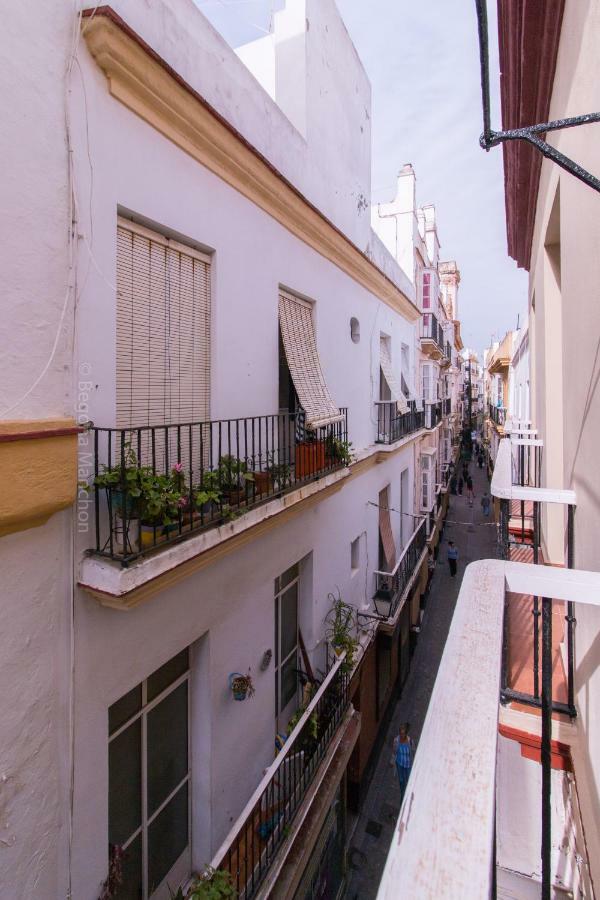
[(241, 685), (340, 628)]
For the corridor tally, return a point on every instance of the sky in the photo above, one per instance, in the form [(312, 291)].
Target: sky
[(422, 60)]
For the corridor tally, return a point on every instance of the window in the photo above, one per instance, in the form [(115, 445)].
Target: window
[(149, 780), (427, 479), (429, 382), (355, 556), (426, 290), (300, 347), (286, 645), (163, 330)]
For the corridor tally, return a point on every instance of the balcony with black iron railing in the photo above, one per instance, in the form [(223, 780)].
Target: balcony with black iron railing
[(256, 840), (497, 415), (478, 818), (156, 486), (390, 587), (432, 336), (392, 425)]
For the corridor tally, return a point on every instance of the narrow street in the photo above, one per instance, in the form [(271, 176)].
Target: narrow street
[(475, 538)]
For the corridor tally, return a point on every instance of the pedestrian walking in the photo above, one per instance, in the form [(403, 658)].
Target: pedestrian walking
[(486, 503), (470, 491), (402, 756), (452, 557), (460, 485), (453, 485), (480, 460)]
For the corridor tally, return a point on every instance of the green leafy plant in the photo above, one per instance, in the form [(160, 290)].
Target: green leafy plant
[(233, 473), (208, 491), (210, 884), (140, 492), (340, 628), (339, 450), (281, 474), (213, 884)]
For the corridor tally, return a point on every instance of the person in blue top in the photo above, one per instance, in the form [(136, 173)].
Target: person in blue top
[(452, 557), (402, 756)]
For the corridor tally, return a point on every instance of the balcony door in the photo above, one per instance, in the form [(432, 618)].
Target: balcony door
[(149, 783), (286, 646)]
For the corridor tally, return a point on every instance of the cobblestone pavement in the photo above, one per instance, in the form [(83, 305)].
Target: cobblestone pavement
[(475, 537)]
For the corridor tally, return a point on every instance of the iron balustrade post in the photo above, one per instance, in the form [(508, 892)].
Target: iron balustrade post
[(504, 514), (546, 848), (536, 605), (570, 613)]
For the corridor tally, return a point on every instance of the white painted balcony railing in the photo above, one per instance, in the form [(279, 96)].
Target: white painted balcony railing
[(443, 843)]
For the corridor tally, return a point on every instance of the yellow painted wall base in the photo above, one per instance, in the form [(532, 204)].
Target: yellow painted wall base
[(38, 471)]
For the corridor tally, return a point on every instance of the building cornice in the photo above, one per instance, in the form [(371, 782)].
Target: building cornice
[(529, 35), (144, 82)]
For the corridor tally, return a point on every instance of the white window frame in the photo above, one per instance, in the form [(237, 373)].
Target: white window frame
[(428, 468), (181, 869), (283, 714)]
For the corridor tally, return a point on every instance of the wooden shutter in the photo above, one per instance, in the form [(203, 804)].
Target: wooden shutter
[(300, 345), (385, 530), (163, 330)]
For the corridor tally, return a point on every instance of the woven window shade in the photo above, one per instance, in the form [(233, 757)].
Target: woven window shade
[(298, 335), (394, 383), (385, 531), (163, 335)]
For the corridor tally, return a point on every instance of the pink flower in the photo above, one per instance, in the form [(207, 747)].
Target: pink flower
[(178, 467), (183, 502)]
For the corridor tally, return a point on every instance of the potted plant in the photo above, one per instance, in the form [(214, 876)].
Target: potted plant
[(233, 477), (210, 884), (207, 494), (338, 451), (281, 474), (123, 491), (309, 456), (161, 505), (340, 628), (241, 685)]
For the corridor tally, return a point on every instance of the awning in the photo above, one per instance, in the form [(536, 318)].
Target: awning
[(385, 531), (390, 376), (298, 335)]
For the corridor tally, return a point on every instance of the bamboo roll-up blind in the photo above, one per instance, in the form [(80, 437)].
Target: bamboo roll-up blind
[(394, 384), (299, 342)]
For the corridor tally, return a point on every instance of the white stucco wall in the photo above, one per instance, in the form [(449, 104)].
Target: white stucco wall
[(35, 565)]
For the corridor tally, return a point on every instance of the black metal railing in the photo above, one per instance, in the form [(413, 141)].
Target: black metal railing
[(447, 406), (497, 414), (390, 586), (527, 463), (430, 520), (433, 413), (265, 824), (521, 528), (431, 330), (392, 425), (157, 485)]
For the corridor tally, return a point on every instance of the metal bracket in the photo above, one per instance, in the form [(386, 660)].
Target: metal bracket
[(529, 133)]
